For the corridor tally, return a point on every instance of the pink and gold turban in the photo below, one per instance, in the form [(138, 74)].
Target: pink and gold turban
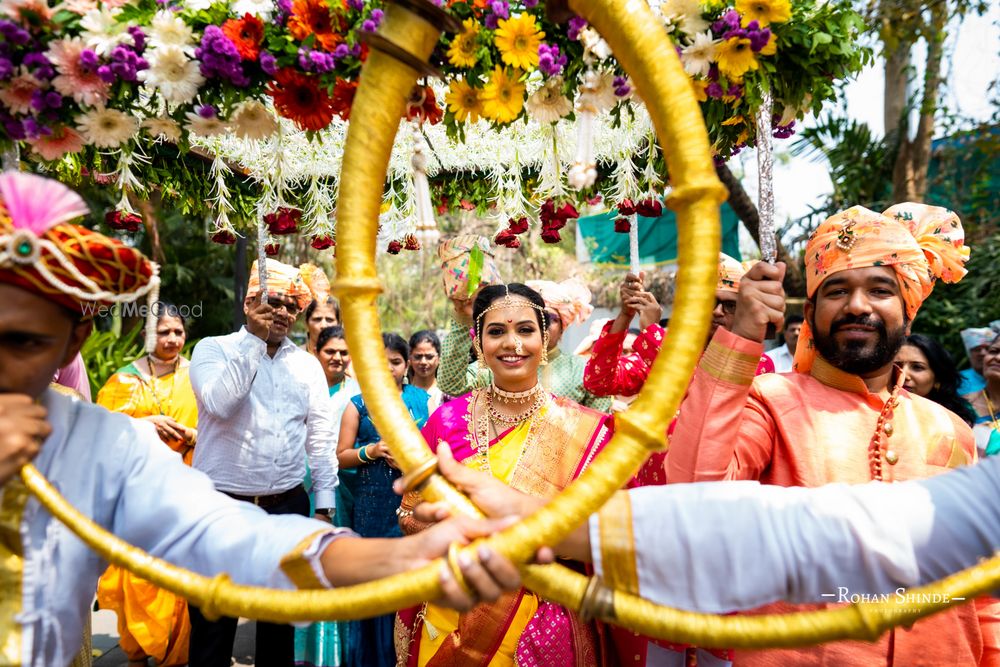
[(731, 272), (282, 280), (570, 299), (466, 263), (316, 280), (921, 243)]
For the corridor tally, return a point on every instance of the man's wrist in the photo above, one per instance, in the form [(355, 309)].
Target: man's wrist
[(326, 511)]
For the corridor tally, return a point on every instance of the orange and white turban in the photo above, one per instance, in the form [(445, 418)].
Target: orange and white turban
[(40, 250), (570, 299), (921, 243), (282, 280), (731, 271), (316, 280), (466, 263)]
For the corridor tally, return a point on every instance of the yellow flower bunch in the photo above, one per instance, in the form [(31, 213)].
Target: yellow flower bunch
[(518, 39), (462, 52), (503, 96), (764, 12), (464, 101)]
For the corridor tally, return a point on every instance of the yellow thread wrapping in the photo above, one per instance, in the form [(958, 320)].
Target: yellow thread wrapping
[(618, 544)]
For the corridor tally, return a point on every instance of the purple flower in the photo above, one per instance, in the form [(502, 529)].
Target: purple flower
[(735, 90), (284, 9), (14, 33), (621, 86), (356, 50), (368, 26), (107, 76), (41, 100), (491, 22), (759, 38), (267, 63), (714, 90), (125, 63), (89, 59), (41, 65), (784, 131), (549, 60), (729, 21), (138, 37), (356, 5), (530, 4), (220, 58), (33, 129), (342, 51), (206, 111), (316, 61), (6, 68), (576, 24), (13, 127)]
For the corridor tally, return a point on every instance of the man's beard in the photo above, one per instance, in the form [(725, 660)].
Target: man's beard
[(857, 357)]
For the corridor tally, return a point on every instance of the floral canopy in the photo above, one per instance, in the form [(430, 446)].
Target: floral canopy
[(531, 116)]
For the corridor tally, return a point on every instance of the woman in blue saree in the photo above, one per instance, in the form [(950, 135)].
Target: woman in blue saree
[(370, 642)]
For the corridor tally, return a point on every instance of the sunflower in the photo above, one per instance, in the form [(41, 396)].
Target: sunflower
[(764, 12), (518, 39), (735, 57), (313, 17), (299, 97), (462, 52), (464, 101), (503, 96)]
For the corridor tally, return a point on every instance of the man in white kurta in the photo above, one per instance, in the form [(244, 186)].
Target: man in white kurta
[(54, 276)]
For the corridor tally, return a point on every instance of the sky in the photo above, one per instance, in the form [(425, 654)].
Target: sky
[(975, 45)]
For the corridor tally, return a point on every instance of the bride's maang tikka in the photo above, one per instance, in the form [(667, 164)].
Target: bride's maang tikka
[(508, 302)]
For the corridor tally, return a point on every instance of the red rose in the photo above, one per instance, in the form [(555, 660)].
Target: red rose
[(283, 221), (508, 239), (224, 237), (649, 208), (567, 212), (272, 249), (466, 204), (551, 236), (127, 222), (394, 247), (323, 242), (623, 225), (626, 207), (518, 226), (411, 242)]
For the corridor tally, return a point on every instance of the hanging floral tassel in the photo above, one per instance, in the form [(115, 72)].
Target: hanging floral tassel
[(152, 309), (426, 228), (550, 181), (583, 173)]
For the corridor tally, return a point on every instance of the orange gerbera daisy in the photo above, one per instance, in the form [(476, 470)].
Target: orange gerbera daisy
[(246, 33), (299, 97), (315, 17)]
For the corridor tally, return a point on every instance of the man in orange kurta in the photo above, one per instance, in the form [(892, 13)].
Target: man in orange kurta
[(842, 415)]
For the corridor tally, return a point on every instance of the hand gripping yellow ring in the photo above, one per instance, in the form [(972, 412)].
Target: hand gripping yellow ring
[(645, 52)]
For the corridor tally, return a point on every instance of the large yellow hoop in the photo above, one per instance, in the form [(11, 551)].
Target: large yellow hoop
[(646, 53)]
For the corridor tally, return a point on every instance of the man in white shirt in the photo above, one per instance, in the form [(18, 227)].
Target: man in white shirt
[(783, 357), (263, 408)]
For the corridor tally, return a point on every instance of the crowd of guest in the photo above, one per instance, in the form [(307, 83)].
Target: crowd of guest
[(286, 428)]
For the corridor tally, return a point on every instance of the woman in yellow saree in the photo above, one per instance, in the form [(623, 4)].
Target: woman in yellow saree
[(156, 387), (536, 443)]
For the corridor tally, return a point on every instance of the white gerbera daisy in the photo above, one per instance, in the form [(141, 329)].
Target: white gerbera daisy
[(601, 95), (686, 14), (205, 127), (107, 128), (262, 9), (697, 57), (173, 74), (102, 32), (197, 5), (595, 44), (167, 29), (252, 120), (548, 104), (163, 128)]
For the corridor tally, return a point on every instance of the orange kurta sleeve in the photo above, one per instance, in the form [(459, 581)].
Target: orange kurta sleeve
[(723, 430)]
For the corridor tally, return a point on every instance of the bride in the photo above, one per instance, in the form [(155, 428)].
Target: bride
[(534, 442)]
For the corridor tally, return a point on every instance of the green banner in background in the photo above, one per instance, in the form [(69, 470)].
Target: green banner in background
[(657, 238)]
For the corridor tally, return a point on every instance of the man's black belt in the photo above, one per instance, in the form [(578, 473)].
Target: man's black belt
[(271, 500)]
